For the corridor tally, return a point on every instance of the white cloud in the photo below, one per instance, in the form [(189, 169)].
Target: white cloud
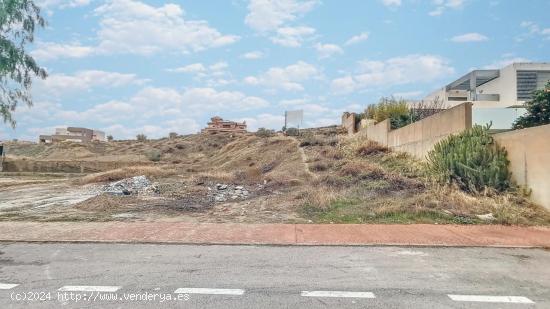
[(269, 15), (409, 94), (358, 38), (218, 66), (128, 26), (394, 71), (292, 36), (253, 55), (442, 5), (51, 51), (345, 84), (328, 50), (265, 120), (51, 4), (533, 30), (59, 84), (213, 75), (191, 68), (153, 111), (274, 18), (391, 2), (469, 37), (211, 99), (287, 78), (181, 126)]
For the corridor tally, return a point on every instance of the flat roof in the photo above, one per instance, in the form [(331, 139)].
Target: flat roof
[(475, 77)]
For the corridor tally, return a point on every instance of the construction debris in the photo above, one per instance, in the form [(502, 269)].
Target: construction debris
[(224, 192), (128, 186)]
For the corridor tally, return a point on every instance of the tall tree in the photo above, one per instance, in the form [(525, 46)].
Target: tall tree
[(19, 20), (538, 110)]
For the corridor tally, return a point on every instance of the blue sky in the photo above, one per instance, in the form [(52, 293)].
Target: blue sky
[(153, 67)]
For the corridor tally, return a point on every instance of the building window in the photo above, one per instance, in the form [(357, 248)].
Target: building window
[(529, 81)]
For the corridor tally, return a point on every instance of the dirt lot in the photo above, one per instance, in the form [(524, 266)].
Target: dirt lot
[(318, 177), (268, 169)]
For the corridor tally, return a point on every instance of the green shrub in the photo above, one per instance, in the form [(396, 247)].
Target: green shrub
[(538, 110), (153, 155), (141, 137), (292, 132), (472, 160), (263, 132), (390, 108)]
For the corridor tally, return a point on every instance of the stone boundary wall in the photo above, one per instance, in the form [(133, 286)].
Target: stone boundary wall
[(529, 155), (348, 122), (419, 138)]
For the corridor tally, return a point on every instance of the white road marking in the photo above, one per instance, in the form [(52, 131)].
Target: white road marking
[(492, 299), (338, 294), (89, 288), (7, 286), (210, 291)]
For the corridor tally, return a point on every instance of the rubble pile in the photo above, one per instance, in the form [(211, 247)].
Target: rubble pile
[(224, 192), (133, 185)]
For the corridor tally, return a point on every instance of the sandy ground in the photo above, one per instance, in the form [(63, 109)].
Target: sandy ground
[(39, 199), (40, 194)]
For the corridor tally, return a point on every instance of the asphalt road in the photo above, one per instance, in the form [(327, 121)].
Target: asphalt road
[(185, 276)]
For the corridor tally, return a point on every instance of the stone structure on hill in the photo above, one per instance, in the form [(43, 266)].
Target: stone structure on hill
[(217, 125)]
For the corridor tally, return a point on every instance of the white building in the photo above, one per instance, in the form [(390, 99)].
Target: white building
[(497, 95), (74, 134)]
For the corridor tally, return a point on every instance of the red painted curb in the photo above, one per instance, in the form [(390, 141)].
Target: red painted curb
[(276, 234)]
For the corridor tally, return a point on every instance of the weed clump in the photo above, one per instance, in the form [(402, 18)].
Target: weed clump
[(154, 155)]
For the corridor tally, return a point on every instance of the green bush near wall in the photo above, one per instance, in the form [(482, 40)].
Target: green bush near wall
[(390, 108), (472, 160)]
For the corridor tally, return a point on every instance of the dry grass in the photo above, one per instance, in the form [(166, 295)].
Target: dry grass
[(322, 199), (214, 176), (248, 175), (362, 170), (126, 172), (374, 184), (319, 166), (370, 148), (332, 153)]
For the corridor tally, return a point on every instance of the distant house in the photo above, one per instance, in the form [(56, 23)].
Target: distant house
[(497, 96), (507, 87), (74, 134), (218, 125)]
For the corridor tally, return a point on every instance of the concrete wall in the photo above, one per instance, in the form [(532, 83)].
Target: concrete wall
[(529, 155), (419, 138), (528, 149), (348, 122), (378, 132)]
